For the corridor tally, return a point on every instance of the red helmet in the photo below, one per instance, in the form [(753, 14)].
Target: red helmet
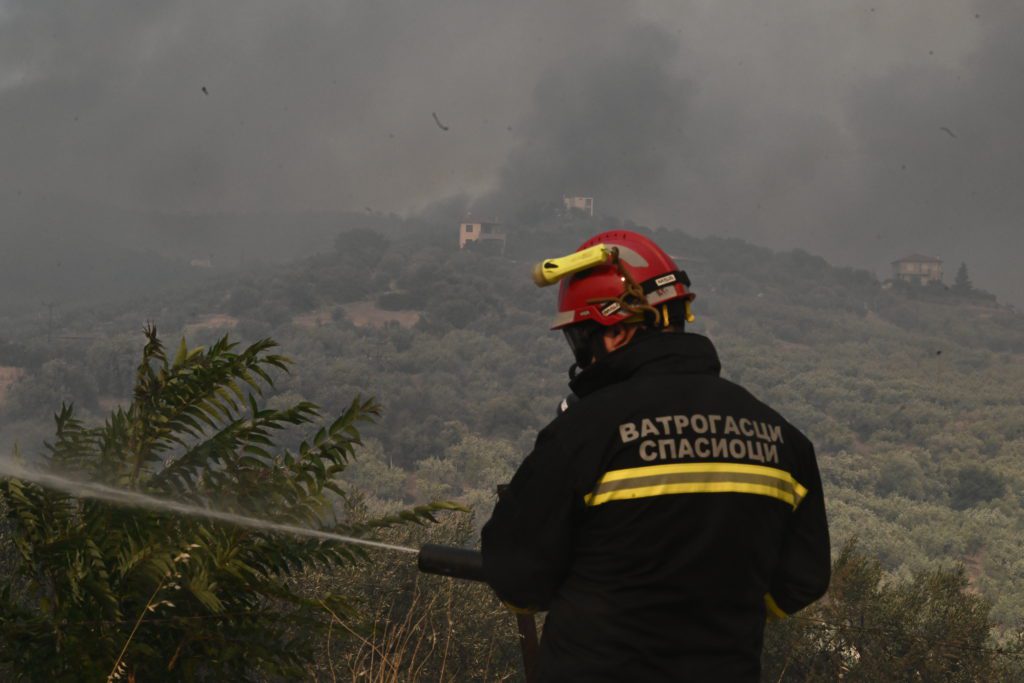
[(639, 277)]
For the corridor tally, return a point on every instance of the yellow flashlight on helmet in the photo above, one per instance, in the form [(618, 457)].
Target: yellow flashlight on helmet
[(550, 271)]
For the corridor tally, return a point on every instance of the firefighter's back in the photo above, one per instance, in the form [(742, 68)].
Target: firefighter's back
[(690, 484)]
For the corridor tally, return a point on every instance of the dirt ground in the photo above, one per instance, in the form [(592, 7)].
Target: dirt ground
[(8, 376), (211, 321), (366, 314)]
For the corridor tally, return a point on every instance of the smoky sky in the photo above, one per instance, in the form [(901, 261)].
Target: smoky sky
[(862, 131)]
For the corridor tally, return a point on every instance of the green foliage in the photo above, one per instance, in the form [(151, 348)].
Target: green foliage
[(931, 627), (55, 378), (360, 246), (100, 591), (903, 391), (974, 484), (962, 283)]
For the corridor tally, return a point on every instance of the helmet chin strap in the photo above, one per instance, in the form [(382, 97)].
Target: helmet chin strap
[(591, 349), (633, 300), (578, 367)]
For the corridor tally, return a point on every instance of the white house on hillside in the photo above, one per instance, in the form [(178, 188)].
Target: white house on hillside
[(474, 230), (917, 269), (584, 204)]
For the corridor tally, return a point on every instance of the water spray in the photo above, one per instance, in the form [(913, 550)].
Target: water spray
[(458, 563), (116, 496)]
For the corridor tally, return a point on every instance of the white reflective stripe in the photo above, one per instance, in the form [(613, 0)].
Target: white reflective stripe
[(613, 307), (631, 257), (562, 319), (663, 294)]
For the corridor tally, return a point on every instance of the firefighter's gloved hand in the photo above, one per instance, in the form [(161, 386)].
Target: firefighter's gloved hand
[(519, 610)]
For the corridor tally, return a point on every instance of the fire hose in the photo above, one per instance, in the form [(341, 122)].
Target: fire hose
[(462, 563)]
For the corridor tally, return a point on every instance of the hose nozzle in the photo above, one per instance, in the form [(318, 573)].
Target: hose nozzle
[(458, 563)]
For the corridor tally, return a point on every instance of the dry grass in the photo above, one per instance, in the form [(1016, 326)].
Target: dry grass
[(401, 625), (399, 648), (441, 630)]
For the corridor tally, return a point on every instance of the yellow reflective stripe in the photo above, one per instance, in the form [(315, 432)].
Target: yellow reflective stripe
[(681, 468), (657, 480), (773, 607), (694, 487), (652, 470), (696, 477)]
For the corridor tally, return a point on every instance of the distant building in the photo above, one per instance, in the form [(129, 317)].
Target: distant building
[(473, 230), (584, 204), (201, 262), (917, 269)]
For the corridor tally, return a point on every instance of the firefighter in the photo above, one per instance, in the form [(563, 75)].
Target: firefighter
[(666, 513)]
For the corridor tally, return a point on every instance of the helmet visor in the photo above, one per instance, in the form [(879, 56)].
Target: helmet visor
[(582, 338)]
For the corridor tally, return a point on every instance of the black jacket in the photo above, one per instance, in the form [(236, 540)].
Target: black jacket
[(658, 520)]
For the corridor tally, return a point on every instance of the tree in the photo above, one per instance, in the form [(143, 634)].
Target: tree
[(931, 628), (973, 484), (962, 283), (104, 592), (55, 380), (361, 246)]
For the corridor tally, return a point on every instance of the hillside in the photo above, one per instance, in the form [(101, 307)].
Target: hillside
[(912, 397), (48, 258)]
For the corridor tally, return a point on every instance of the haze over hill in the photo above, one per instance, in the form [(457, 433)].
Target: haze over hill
[(259, 170), (66, 252), (911, 394), (860, 131)]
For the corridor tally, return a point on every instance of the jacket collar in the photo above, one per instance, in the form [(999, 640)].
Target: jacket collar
[(672, 352)]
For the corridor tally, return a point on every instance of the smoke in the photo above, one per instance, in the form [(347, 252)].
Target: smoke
[(611, 125), (262, 105), (858, 130), (942, 155)]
